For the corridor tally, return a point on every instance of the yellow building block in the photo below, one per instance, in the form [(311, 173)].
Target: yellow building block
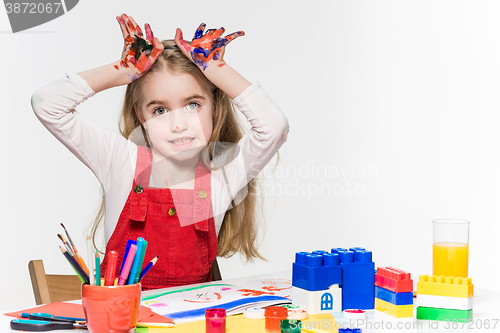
[(398, 311), (445, 286)]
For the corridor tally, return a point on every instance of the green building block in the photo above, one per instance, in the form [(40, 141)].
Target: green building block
[(443, 314)]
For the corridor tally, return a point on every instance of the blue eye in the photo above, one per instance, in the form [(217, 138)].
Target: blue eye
[(160, 110), (192, 106)]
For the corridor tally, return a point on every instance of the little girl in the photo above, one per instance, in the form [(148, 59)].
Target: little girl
[(172, 176)]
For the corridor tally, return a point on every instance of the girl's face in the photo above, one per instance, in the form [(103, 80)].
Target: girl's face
[(177, 114)]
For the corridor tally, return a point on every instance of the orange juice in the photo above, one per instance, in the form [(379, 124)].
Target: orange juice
[(450, 259)]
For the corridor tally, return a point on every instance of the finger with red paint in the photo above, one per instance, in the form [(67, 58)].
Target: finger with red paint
[(206, 49), (138, 54), (136, 28)]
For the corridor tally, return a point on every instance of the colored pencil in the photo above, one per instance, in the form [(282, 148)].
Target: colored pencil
[(76, 267), (159, 325), (128, 264), (75, 256), (75, 252), (137, 258), (141, 261), (66, 245), (109, 278), (90, 256), (148, 267), (97, 269)]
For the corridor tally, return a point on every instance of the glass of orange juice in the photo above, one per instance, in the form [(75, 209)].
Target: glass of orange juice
[(450, 247)]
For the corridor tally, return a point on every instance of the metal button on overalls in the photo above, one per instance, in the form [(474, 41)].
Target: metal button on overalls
[(138, 189), (202, 194), (171, 211)]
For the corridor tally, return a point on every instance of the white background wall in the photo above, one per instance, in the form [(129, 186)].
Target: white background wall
[(398, 100)]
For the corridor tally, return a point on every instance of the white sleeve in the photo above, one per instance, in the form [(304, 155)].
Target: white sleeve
[(269, 128), (106, 153)]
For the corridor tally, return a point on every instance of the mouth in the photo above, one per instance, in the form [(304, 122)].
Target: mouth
[(182, 141)]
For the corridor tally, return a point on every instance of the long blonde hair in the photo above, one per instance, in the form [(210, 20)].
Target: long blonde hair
[(238, 231)]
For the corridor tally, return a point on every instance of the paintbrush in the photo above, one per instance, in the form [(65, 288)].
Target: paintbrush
[(70, 252), (78, 257), (66, 244)]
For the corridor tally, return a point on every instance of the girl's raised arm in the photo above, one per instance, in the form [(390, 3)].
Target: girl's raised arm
[(207, 51), (138, 56)]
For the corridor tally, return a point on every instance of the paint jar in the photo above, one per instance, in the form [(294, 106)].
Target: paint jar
[(274, 315), (450, 247), (215, 321), (291, 326), (111, 308)]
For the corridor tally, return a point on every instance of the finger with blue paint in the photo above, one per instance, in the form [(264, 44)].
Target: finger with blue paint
[(206, 49)]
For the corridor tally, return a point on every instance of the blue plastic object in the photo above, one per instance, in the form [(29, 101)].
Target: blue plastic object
[(349, 330), (392, 297), (316, 271), (358, 278)]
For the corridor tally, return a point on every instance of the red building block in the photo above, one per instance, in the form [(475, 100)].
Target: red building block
[(393, 279)]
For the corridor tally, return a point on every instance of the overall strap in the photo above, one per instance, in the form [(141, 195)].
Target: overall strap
[(202, 210), (139, 193)]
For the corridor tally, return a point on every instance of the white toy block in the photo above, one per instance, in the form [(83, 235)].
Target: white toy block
[(444, 302), (316, 302)]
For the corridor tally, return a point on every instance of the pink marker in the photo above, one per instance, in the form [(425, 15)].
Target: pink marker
[(128, 264)]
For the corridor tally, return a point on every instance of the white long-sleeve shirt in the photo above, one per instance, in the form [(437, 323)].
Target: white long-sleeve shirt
[(112, 158)]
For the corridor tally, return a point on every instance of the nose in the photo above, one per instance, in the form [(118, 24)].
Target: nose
[(178, 121)]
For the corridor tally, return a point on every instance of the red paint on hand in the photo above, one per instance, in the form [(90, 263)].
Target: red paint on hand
[(138, 54), (183, 43)]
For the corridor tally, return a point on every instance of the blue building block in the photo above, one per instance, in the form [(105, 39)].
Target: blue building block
[(394, 298), (349, 330), (316, 271), (358, 278)]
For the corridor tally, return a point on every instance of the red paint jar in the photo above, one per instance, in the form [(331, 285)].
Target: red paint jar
[(274, 315), (215, 321), (111, 308)]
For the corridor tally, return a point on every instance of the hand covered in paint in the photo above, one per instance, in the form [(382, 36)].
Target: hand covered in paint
[(206, 50), (138, 54)]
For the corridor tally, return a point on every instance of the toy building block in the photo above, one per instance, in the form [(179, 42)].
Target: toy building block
[(445, 286), (443, 314), (394, 298), (398, 311), (316, 302), (393, 279), (445, 302), (358, 278), (348, 330), (316, 271)]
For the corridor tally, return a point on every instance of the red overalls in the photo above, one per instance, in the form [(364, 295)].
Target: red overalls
[(186, 252)]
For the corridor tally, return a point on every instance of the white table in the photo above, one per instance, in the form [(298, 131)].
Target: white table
[(486, 311)]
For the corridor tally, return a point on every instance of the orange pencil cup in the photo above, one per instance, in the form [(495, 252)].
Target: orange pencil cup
[(111, 309)]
